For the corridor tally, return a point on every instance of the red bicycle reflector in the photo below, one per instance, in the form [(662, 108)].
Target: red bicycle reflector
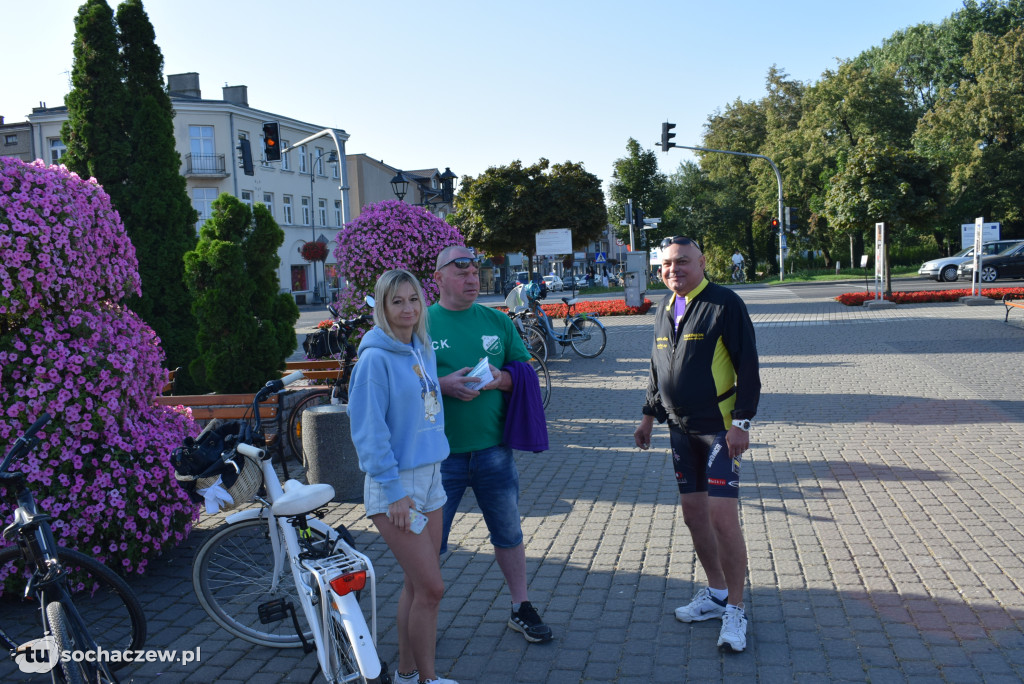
[(349, 582)]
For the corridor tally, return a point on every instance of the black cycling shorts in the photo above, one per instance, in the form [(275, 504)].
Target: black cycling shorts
[(702, 463)]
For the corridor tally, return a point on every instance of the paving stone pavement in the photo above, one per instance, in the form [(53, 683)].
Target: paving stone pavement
[(881, 502)]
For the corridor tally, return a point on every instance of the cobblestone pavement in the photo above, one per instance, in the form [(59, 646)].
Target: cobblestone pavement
[(881, 501)]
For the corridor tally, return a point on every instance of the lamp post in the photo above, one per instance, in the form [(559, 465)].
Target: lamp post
[(431, 197), (332, 158)]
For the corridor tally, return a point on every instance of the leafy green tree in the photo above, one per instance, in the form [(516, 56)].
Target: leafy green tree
[(636, 177), (977, 133), (154, 203), (246, 328), (94, 130), (504, 208)]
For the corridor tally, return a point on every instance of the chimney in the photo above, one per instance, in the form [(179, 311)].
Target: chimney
[(238, 95), (184, 85)]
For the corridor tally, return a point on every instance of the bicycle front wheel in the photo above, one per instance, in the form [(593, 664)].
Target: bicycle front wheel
[(543, 377), (233, 574), (587, 337), (60, 630), (535, 342), (312, 399), (108, 607)]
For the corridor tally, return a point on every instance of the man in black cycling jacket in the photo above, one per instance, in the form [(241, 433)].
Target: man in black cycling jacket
[(704, 380)]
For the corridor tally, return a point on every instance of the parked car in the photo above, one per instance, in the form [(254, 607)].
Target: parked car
[(1007, 264), (945, 269), (520, 277), (554, 283), (582, 281)]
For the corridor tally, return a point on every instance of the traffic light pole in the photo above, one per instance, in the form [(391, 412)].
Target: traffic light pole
[(778, 177), (341, 163)]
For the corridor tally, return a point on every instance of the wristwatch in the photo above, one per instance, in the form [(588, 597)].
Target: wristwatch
[(742, 424)]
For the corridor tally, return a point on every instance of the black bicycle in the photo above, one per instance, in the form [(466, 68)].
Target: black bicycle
[(81, 605), (342, 349)]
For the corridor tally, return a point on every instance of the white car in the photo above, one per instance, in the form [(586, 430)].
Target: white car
[(554, 283), (945, 268)]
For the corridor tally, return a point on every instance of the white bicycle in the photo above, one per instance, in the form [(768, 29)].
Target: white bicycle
[(241, 573)]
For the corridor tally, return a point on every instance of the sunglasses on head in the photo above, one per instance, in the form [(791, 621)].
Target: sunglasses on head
[(461, 263), (677, 240)]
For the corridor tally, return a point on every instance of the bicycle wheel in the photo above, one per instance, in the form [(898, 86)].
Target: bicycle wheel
[(587, 337), (312, 399), (535, 342), (341, 657), (108, 606), (543, 377), (60, 630), (232, 575)]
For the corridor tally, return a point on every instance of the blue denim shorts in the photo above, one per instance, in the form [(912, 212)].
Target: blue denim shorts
[(495, 481)]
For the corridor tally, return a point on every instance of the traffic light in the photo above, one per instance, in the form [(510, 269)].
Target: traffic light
[(245, 152), (271, 141), (638, 216), (666, 136), (775, 224)]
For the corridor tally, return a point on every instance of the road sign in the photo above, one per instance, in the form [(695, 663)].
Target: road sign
[(601, 258)]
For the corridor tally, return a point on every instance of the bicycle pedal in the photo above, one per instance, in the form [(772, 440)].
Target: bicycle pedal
[(275, 610)]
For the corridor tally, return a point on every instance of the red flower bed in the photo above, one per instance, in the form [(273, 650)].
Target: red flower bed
[(609, 307), (858, 298)]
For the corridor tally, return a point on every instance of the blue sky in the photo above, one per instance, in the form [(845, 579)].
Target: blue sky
[(475, 84)]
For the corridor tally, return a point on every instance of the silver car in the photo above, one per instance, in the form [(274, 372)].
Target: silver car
[(945, 269)]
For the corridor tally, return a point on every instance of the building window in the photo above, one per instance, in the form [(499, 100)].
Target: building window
[(57, 150), (268, 199), (202, 148), (319, 161), (286, 203), (323, 211), (247, 198), (337, 212), (286, 158), (299, 279), (11, 139), (305, 211), (202, 202), (334, 169), (302, 159)]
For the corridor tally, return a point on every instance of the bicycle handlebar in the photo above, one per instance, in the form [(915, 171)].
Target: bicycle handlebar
[(24, 444)]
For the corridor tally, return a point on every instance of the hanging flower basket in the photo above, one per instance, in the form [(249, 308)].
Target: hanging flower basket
[(314, 251)]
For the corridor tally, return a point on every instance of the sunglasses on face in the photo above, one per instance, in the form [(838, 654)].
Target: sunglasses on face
[(461, 263), (677, 240)]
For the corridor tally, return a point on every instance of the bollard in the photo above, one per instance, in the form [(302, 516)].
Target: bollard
[(330, 454)]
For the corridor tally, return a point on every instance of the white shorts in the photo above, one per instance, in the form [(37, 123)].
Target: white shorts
[(422, 484)]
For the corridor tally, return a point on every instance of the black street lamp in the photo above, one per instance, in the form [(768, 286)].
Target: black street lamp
[(431, 197)]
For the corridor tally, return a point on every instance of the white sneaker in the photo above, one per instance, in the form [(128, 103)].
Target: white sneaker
[(440, 680), (703, 606), (412, 678), (733, 636)]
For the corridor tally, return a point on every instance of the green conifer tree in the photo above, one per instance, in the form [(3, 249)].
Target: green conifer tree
[(94, 130), (246, 328), (154, 205)]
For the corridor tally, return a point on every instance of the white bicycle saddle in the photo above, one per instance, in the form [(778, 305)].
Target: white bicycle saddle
[(302, 498)]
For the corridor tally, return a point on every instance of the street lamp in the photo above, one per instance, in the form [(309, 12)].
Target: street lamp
[(332, 158), (431, 197)]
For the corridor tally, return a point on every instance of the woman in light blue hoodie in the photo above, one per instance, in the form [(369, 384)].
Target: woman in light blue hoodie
[(397, 423)]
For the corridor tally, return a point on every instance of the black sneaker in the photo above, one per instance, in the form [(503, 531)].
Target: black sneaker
[(527, 621)]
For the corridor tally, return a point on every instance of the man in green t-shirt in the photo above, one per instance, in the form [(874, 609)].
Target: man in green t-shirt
[(463, 333)]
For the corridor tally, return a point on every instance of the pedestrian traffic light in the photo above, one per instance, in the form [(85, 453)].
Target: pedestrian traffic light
[(666, 136), (638, 216), (775, 224), (245, 153), (271, 141)]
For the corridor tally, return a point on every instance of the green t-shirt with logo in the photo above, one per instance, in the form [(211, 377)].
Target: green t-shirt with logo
[(461, 339)]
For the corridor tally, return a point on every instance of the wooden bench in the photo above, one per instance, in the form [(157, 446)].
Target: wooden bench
[(1010, 304)]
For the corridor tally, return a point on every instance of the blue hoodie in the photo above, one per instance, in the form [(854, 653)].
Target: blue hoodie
[(395, 407)]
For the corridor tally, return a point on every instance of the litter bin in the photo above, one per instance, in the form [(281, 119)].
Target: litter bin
[(330, 454)]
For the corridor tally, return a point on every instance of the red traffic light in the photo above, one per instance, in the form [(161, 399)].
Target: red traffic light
[(775, 223)]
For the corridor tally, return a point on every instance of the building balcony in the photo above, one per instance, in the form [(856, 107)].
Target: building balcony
[(206, 165)]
